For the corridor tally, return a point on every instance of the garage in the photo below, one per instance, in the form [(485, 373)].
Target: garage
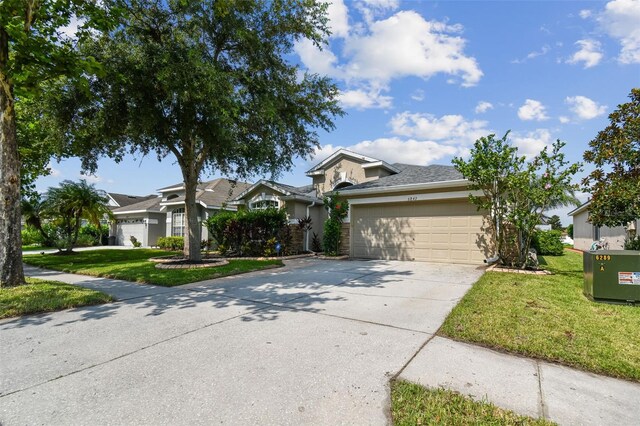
[(130, 227), (447, 231)]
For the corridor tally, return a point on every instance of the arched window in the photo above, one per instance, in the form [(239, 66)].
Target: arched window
[(342, 185), (177, 222), (264, 201)]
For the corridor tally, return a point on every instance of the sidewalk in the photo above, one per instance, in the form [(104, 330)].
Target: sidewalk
[(526, 386), (120, 290)]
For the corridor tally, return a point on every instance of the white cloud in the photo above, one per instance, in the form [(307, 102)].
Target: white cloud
[(584, 107), (532, 143), (585, 13), (418, 95), (71, 29), (411, 151), (379, 51), (589, 53), (483, 106), (563, 119), (532, 110), (361, 99), (620, 20), (532, 55), (91, 178), (338, 18), (408, 45), (450, 129)]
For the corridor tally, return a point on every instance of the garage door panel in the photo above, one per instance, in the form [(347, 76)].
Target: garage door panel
[(428, 231)]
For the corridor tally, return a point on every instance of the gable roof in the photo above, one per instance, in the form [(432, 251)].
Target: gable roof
[(345, 153), (211, 194), (306, 192), (123, 200), (580, 208), (410, 175), (149, 205)]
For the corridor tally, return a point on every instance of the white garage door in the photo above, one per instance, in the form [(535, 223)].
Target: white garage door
[(442, 231), (128, 228)]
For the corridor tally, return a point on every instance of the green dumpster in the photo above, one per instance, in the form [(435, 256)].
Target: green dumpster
[(612, 275)]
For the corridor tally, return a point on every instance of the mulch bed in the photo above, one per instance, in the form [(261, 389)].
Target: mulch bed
[(188, 264)]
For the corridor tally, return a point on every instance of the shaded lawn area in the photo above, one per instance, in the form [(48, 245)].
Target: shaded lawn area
[(46, 296), (133, 265), (548, 317), (413, 404)]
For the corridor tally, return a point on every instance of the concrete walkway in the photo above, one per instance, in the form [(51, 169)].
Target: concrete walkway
[(526, 386), (315, 342)]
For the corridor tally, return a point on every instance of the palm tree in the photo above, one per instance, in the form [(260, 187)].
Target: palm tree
[(32, 212), (72, 202)]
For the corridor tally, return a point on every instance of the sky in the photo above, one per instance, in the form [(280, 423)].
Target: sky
[(421, 81)]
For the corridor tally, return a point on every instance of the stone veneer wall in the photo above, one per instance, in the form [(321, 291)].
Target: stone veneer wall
[(345, 238), (297, 239)]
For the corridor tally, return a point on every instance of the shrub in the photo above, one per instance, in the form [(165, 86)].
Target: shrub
[(331, 237), (30, 236), (247, 232), (171, 243), (632, 243), (135, 241), (99, 235), (570, 230), (548, 243), (316, 245), (85, 241), (338, 211)]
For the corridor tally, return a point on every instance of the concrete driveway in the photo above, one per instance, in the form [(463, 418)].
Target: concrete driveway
[(313, 343)]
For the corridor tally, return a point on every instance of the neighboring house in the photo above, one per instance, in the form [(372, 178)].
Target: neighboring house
[(164, 215), (405, 212), (298, 202), (585, 233)]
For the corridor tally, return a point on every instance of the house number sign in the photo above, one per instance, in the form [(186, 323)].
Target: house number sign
[(412, 199)]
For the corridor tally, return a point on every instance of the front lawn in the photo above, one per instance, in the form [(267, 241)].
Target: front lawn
[(547, 317), (413, 404), (133, 265), (36, 248), (46, 296)]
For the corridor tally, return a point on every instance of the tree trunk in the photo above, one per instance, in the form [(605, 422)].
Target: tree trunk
[(11, 273), (192, 233)]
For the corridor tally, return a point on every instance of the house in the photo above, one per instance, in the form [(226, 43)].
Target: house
[(585, 233), (164, 215), (405, 212)]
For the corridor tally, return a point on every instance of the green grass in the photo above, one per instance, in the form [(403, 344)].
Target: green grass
[(548, 317), (133, 265), (413, 404), (46, 296)]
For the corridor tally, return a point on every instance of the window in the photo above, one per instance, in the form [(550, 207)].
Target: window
[(177, 223), (264, 202)]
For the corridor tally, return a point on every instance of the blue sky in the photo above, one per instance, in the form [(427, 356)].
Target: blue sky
[(420, 81)]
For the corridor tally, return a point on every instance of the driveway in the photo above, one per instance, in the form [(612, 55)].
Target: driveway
[(313, 343)]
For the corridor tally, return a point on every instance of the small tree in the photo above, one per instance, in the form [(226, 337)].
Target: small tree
[(516, 193), (570, 230), (555, 222), (338, 209), (69, 204), (614, 184)]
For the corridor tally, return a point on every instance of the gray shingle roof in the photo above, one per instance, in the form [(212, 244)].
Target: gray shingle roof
[(126, 200), (411, 174), (216, 192), (150, 205)]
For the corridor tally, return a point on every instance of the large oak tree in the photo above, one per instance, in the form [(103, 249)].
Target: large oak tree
[(614, 184), (33, 51), (210, 82)]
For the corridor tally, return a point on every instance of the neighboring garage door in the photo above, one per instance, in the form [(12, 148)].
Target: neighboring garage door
[(127, 228), (437, 231)]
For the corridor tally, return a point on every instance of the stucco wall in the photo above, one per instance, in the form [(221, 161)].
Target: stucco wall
[(157, 230), (340, 171), (583, 233)]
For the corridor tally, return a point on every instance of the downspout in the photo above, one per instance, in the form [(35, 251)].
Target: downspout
[(306, 237)]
